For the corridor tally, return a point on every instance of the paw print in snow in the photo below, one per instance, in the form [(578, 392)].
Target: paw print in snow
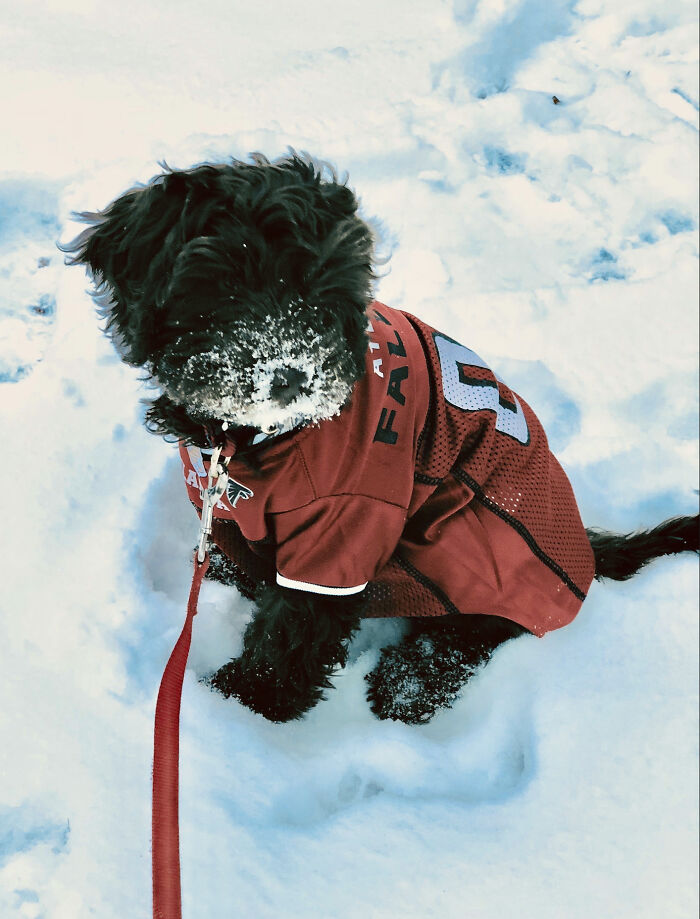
[(29, 267)]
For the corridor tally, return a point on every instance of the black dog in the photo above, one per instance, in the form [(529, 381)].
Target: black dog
[(376, 467)]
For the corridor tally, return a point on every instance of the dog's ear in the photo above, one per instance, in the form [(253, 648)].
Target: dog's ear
[(124, 248)]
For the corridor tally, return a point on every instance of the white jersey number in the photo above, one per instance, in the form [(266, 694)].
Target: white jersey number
[(474, 395)]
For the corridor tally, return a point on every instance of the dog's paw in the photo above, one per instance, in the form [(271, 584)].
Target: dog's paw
[(417, 677), (259, 689)]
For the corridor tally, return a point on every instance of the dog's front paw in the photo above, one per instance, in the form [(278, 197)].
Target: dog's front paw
[(417, 677), (258, 688)]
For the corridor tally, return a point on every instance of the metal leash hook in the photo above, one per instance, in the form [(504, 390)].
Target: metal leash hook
[(217, 481)]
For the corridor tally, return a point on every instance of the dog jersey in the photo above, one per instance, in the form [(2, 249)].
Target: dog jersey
[(432, 492)]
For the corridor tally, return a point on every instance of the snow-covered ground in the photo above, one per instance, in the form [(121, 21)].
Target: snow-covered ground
[(559, 240)]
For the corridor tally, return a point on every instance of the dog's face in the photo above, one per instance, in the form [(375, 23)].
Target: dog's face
[(241, 289), (269, 368)]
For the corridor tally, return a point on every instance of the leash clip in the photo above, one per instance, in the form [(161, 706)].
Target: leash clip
[(216, 486)]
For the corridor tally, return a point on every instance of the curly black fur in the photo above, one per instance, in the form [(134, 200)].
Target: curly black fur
[(291, 648), (173, 422), (222, 570), (187, 262), (620, 556), (431, 665)]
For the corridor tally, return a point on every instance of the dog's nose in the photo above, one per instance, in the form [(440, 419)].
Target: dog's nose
[(287, 384)]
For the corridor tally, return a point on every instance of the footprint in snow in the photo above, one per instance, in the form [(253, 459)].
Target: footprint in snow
[(483, 750), (29, 270), (319, 798)]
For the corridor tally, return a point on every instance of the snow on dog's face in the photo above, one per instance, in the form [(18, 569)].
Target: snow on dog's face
[(275, 375), (240, 288)]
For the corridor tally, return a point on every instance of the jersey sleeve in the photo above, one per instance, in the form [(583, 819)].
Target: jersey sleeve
[(336, 545)]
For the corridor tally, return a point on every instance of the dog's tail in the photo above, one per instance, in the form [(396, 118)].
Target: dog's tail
[(620, 556)]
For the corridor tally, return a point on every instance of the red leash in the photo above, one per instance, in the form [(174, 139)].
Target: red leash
[(166, 748), (165, 839)]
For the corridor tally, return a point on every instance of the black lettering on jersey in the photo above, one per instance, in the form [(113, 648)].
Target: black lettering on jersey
[(396, 378), (398, 348), (384, 432), (381, 318)]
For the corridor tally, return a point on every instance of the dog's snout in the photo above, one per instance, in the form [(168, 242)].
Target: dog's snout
[(288, 384)]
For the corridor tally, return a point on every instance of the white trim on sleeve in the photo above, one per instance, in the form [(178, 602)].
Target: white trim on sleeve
[(319, 588)]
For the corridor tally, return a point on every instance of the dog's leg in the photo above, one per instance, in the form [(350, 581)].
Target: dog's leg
[(291, 647), (223, 570), (427, 670)]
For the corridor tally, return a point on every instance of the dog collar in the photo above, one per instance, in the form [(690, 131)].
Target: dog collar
[(223, 435)]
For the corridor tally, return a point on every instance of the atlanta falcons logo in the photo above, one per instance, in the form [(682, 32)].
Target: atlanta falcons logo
[(235, 490)]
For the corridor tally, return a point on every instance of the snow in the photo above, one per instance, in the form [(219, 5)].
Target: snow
[(559, 241), (317, 368)]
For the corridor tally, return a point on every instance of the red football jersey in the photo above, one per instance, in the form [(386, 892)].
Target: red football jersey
[(433, 491)]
